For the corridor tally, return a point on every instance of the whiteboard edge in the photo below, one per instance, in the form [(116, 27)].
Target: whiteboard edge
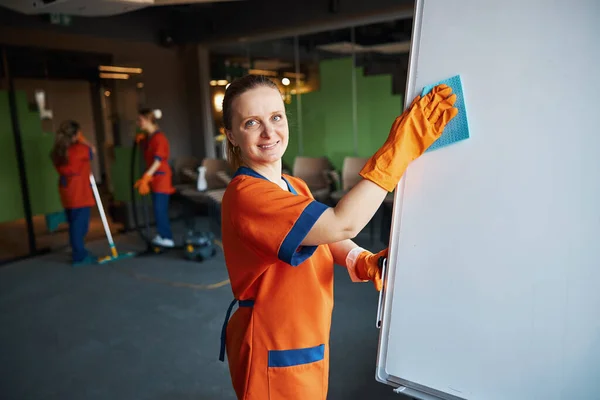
[(381, 374), (400, 385)]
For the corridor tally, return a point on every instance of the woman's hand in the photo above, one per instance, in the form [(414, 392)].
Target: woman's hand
[(411, 134), (367, 267), (143, 184)]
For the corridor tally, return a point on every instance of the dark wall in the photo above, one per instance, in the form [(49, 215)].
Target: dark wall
[(143, 25), (218, 21), (211, 21)]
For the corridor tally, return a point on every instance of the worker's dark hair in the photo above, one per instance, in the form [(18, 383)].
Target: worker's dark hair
[(238, 87), (63, 139)]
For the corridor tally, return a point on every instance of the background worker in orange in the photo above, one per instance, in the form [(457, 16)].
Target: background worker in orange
[(71, 156), (280, 244), (158, 177)]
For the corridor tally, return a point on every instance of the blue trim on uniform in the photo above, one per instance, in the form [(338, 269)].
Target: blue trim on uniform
[(91, 154), (249, 172), (290, 251), (63, 180), (289, 358), (158, 173), (254, 174), (242, 303), (158, 158), (289, 185)]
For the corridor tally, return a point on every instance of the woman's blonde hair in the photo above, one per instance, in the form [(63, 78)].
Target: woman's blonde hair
[(235, 90)]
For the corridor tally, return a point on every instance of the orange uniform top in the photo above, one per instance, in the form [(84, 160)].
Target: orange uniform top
[(156, 147), (74, 183), (278, 340)]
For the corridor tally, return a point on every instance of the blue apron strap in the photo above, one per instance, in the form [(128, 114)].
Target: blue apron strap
[(243, 303)]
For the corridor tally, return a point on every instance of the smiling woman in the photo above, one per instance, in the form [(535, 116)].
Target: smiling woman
[(259, 130), (247, 119), (280, 245)]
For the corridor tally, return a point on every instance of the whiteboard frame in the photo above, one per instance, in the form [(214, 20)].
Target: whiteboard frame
[(403, 386)]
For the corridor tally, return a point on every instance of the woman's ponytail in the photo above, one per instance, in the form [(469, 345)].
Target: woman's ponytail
[(65, 134)]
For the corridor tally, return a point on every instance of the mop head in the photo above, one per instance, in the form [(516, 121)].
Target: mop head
[(111, 258), (458, 128)]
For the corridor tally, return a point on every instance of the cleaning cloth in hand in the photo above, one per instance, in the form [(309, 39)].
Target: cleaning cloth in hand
[(458, 128)]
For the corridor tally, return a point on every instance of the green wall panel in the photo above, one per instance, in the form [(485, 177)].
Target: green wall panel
[(120, 173), (327, 114), (11, 201), (42, 177)]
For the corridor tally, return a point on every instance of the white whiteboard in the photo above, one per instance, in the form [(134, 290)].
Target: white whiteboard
[(494, 282)]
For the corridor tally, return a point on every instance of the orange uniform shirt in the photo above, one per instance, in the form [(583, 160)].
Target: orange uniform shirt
[(74, 183), (156, 147), (277, 341)]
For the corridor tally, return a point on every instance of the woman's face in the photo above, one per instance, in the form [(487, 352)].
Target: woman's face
[(259, 125), (144, 124)]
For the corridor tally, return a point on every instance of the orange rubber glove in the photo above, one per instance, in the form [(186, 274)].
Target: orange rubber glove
[(143, 184), (367, 267), (412, 133)]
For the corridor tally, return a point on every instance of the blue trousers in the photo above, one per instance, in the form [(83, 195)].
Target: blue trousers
[(160, 204), (79, 223)]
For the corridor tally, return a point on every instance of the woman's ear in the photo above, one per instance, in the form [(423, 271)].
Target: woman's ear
[(229, 135)]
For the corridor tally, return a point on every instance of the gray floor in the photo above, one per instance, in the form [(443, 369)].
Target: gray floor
[(149, 328)]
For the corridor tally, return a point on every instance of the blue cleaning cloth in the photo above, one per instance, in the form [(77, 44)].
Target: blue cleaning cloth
[(458, 128)]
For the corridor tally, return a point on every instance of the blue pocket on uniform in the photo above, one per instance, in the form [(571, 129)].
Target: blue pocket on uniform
[(297, 374), (289, 358)]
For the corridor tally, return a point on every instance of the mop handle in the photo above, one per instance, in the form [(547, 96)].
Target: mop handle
[(101, 210)]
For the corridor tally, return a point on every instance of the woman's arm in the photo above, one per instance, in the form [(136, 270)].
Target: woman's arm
[(411, 134), (153, 168), (362, 265), (340, 251), (348, 217)]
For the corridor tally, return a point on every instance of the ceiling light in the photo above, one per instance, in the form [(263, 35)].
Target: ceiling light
[(262, 72), (285, 81), (294, 75), (113, 76), (125, 70)]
